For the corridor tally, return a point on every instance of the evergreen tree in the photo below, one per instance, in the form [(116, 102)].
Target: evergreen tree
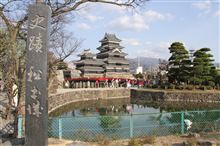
[(204, 71), (217, 78), (179, 64)]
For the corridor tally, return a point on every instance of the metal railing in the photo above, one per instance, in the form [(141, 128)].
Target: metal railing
[(88, 128)]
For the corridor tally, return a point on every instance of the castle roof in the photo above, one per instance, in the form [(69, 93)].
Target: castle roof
[(110, 53), (110, 38), (91, 68), (90, 62), (86, 53)]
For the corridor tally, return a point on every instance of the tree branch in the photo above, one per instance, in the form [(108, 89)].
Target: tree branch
[(19, 23), (62, 11), (6, 20)]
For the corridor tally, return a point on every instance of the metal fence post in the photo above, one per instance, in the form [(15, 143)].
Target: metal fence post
[(60, 128), (131, 126), (182, 122), (19, 126)]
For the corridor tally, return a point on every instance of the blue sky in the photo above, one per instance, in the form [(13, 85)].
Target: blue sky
[(148, 31)]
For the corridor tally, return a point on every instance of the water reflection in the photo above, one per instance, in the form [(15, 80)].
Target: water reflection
[(111, 118), (118, 107), (110, 123), (93, 107)]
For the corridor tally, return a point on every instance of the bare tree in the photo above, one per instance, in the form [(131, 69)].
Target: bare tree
[(64, 45)]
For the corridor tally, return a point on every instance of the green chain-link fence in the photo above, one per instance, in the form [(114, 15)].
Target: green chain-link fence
[(132, 125)]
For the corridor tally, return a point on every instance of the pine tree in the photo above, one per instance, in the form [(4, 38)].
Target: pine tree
[(204, 71), (179, 64)]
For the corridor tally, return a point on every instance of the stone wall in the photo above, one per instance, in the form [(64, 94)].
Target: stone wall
[(186, 96), (67, 96)]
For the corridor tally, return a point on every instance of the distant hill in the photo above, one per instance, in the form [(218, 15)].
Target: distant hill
[(146, 62)]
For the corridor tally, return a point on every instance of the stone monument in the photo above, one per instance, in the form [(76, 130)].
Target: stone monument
[(36, 111)]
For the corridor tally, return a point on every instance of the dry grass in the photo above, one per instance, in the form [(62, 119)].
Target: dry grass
[(135, 142), (103, 140), (192, 141), (149, 139)]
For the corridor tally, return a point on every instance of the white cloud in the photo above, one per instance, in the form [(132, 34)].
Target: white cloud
[(94, 18), (83, 26), (131, 23), (138, 22), (147, 43), (202, 5), (216, 13), (153, 16), (85, 13), (153, 50), (164, 45), (131, 41)]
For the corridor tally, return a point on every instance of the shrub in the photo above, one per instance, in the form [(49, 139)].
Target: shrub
[(180, 87), (155, 86), (211, 83), (171, 86), (217, 87), (209, 87), (202, 87), (189, 87), (149, 85), (164, 86)]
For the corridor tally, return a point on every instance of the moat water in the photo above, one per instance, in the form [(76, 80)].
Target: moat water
[(113, 118), (118, 107)]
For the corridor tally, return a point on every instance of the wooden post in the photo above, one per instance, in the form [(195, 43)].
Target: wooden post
[(36, 117)]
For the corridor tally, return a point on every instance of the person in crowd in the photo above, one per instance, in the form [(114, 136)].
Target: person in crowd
[(113, 83), (128, 108), (97, 84), (128, 84), (106, 83), (14, 94), (116, 83), (66, 84), (88, 84)]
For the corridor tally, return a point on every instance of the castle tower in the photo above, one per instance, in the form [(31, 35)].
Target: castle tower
[(116, 65), (88, 65)]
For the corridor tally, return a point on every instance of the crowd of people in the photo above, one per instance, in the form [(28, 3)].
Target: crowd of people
[(108, 83)]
